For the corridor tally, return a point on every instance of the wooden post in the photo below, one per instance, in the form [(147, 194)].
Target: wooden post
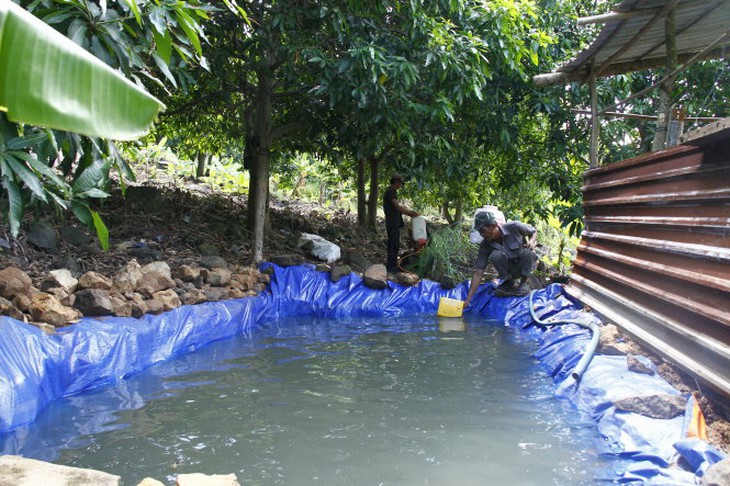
[(595, 124), (665, 90)]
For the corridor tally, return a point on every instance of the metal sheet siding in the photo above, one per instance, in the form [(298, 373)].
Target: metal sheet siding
[(655, 255)]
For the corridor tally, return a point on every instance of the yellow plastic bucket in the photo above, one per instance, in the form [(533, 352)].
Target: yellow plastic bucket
[(450, 307)]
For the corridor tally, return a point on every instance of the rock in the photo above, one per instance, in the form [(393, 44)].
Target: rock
[(43, 235), (186, 286), (358, 260), (339, 271), (213, 261), (58, 293), (93, 302), (198, 479), (654, 406), (144, 252), (139, 306), (204, 273), (214, 294), (22, 301), (615, 349), (20, 471), (247, 277), (289, 260), (152, 282), (186, 273), (611, 341), (95, 280), (447, 282), (60, 279), (407, 278), (168, 298), (75, 236), (376, 277), (150, 482), (236, 294), (192, 297), (718, 474), (207, 249), (14, 281), (634, 364), (160, 267), (46, 308), (219, 277), (121, 307), (69, 300), (154, 306), (609, 334), (8, 309), (126, 279), (67, 262)]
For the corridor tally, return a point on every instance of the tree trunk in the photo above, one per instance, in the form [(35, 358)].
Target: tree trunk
[(665, 90), (249, 163), (259, 190), (322, 193), (446, 213), (297, 187), (200, 169), (362, 209), (250, 149), (372, 217), (458, 211)]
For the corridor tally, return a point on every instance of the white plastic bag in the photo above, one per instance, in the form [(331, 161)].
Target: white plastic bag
[(323, 249)]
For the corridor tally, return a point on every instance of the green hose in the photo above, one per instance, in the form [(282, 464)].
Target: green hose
[(585, 360)]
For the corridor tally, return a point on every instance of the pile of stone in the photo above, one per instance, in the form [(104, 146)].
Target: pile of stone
[(64, 297), (375, 276), (133, 291)]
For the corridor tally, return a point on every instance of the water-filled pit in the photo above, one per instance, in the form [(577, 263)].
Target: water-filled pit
[(303, 400)]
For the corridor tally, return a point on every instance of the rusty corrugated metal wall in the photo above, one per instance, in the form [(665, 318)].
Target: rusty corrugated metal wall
[(655, 254)]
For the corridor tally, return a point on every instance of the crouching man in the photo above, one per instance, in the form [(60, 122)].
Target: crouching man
[(510, 248)]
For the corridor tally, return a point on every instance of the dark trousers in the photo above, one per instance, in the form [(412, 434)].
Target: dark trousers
[(520, 266), (393, 248)]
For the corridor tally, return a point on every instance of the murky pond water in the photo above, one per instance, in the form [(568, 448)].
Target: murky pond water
[(364, 401)]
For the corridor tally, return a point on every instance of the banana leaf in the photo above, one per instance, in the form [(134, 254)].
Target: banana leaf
[(48, 80)]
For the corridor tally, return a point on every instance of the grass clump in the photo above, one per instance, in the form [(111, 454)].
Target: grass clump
[(449, 254)]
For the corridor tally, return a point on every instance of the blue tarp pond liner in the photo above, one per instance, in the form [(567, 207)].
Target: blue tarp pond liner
[(36, 368)]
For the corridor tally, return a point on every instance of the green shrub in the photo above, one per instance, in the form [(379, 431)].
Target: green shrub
[(448, 254)]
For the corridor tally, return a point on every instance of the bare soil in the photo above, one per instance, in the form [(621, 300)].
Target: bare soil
[(175, 222)]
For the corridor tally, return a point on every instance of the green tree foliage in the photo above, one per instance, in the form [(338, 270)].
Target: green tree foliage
[(367, 79)]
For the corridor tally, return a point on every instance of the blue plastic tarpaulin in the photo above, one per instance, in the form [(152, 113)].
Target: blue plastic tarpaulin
[(36, 368)]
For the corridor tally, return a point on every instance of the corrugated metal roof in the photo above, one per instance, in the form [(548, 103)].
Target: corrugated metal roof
[(633, 38)]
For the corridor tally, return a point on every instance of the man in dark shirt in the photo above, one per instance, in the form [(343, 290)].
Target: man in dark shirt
[(394, 220), (513, 257)]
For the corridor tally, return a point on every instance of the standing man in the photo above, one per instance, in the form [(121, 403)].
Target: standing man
[(506, 247), (394, 220)]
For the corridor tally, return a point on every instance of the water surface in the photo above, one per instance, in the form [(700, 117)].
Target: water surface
[(363, 401)]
